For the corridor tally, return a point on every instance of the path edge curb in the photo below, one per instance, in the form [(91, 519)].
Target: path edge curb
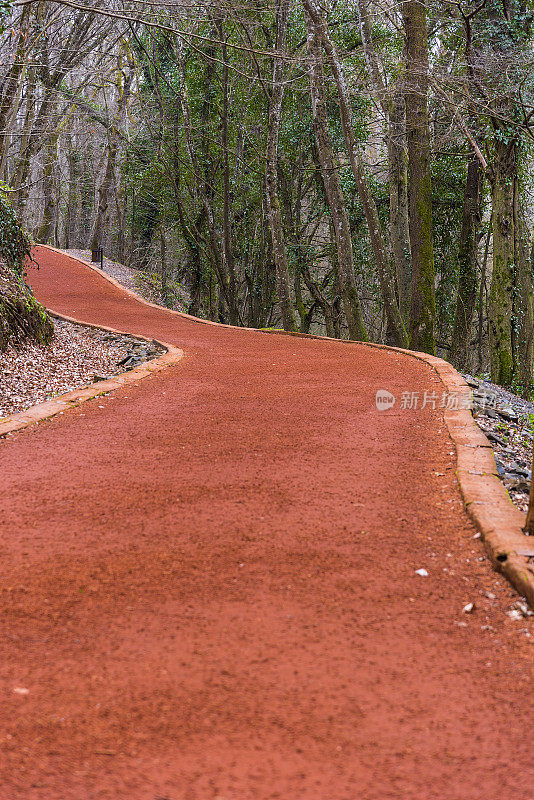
[(486, 500), (57, 405)]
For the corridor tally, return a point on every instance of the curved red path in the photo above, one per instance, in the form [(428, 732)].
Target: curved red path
[(208, 583)]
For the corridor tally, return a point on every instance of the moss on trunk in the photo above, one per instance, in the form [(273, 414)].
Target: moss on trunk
[(500, 308), (467, 264)]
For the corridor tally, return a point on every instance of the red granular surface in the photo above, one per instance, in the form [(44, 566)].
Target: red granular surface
[(209, 590)]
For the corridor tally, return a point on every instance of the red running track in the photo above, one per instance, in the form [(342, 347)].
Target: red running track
[(209, 590)]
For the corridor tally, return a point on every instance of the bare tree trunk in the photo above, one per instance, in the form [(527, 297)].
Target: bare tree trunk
[(333, 189), (121, 201), (21, 167), (482, 294), (123, 84), (227, 248), (87, 194), (191, 224), (383, 262), (164, 290), (423, 303), (216, 255), (44, 232), (524, 311), (72, 194), (398, 201), (102, 205), (500, 309), (11, 96), (289, 319), (394, 109), (267, 296), (467, 264)]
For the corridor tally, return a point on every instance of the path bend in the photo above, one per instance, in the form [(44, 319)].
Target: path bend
[(209, 590)]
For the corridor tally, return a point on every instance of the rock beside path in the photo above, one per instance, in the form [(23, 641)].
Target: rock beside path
[(508, 422)]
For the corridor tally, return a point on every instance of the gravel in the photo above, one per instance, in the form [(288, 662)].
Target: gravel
[(77, 356)]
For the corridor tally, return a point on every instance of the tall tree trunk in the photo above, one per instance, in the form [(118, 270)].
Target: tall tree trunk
[(102, 204), (423, 303), (289, 319), (121, 201), (467, 264), (214, 236), (192, 223), (394, 109), (227, 246), (72, 194), (398, 200), (333, 189), (525, 304), (500, 307), (483, 297), (123, 84), (21, 166), (378, 243), (12, 82), (164, 289), (267, 295), (87, 194), (46, 228)]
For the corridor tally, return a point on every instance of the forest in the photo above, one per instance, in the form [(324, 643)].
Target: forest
[(354, 168)]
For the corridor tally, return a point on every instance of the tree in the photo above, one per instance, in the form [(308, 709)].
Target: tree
[(423, 306), (271, 177), (327, 168), (383, 262), (333, 190)]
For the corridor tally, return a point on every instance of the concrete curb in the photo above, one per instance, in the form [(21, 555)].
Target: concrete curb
[(61, 403), (485, 498)]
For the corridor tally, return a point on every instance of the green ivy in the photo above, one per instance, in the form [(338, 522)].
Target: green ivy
[(15, 245)]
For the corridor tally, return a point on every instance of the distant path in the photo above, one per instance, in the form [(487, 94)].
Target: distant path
[(209, 590)]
